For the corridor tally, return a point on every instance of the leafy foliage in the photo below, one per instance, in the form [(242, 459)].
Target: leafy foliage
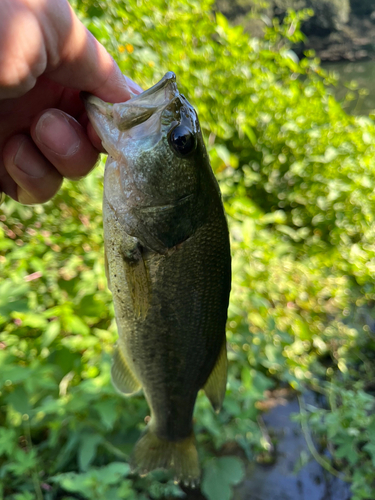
[(220, 474), (297, 179)]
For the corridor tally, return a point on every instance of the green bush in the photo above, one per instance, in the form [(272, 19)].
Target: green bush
[(297, 179)]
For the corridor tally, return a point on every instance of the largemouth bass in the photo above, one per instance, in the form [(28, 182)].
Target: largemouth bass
[(168, 267)]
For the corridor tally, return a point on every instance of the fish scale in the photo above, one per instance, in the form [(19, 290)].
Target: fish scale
[(168, 267)]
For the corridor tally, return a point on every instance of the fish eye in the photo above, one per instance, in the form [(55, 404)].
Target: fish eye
[(182, 140)]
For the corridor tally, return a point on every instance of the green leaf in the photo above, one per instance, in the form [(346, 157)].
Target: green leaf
[(8, 441), (75, 483), (347, 449), (74, 324), (22, 462), (32, 320), (249, 133), (50, 333), (90, 306), (26, 495), (66, 452), (87, 450), (107, 412), (219, 475), (114, 472), (370, 448), (95, 481), (10, 298), (19, 400)]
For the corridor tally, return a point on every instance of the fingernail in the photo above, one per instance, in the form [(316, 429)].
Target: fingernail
[(55, 132), (26, 161)]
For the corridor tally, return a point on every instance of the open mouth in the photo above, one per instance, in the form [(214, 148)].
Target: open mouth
[(137, 110)]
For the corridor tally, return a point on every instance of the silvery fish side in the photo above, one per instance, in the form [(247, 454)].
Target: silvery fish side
[(168, 267)]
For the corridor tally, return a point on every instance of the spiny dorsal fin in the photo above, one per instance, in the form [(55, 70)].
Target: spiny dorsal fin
[(123, 378), (217, 381)]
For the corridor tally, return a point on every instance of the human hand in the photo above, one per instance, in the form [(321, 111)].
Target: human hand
[(47, 57)]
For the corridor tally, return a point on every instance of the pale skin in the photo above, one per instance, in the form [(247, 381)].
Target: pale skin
[(47, 57)]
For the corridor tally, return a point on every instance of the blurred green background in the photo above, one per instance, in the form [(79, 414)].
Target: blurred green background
[(297, 177)]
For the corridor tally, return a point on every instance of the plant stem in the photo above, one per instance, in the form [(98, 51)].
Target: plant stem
[(115, 451), (34, 474), (314, 452)]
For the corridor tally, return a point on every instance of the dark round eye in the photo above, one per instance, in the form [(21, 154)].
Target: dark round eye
[(182, 140)]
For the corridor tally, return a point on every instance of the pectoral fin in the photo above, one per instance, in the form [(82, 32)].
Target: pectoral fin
[(139, 287), (123, 378), (217, 381), (137, 277)]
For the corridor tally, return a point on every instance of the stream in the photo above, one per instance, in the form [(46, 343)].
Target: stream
[(286, 479)]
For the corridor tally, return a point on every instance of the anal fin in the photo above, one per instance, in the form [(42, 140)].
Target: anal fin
[(123, 378), (217, 381)]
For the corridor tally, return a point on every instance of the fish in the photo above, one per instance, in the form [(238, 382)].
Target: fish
[(168, 266)]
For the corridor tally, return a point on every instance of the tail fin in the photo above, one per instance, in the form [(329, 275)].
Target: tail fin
[(181, 457)]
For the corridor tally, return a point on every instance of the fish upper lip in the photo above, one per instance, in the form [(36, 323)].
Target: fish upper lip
[(137, 109), (136, 101), (168, 78)]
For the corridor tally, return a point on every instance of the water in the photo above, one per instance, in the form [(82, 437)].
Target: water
[(363, 72), (285, 480)]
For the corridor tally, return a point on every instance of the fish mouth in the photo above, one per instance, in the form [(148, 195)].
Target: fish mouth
[(137, 110), (167, 85)]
